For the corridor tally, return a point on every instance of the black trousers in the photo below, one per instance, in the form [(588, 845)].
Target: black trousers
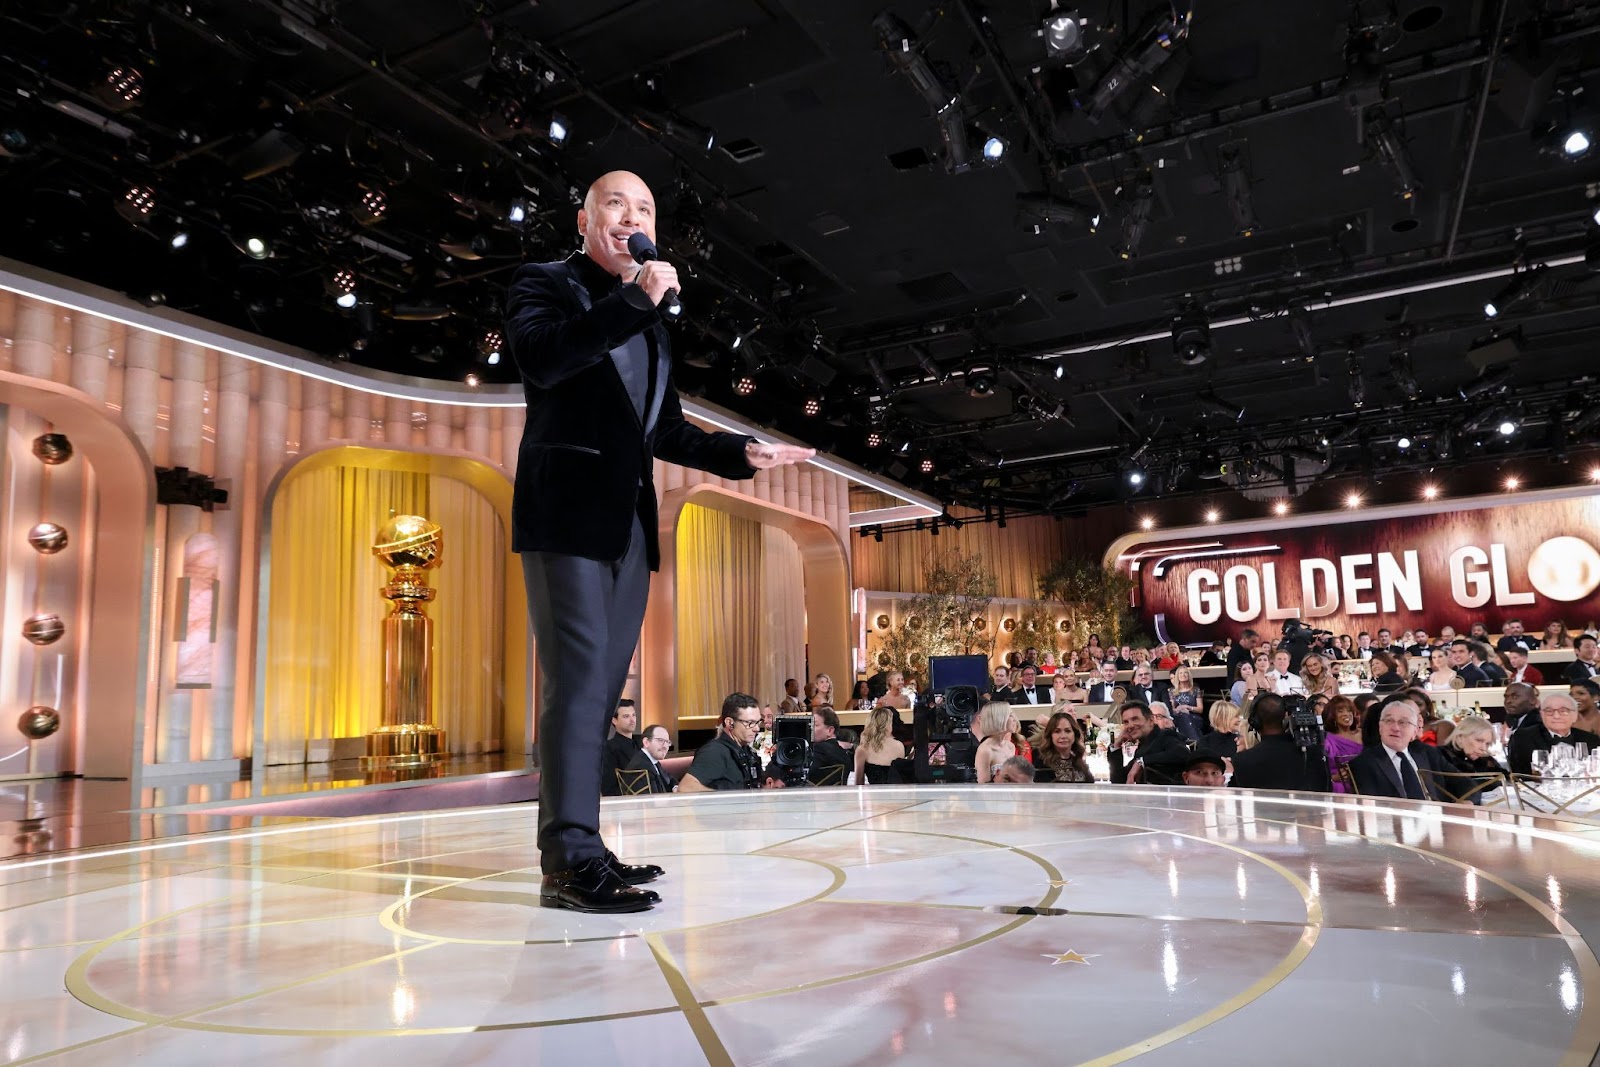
[(586, 617)]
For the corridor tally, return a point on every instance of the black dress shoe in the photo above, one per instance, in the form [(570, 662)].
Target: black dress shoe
[(594, 887), (633, 873)]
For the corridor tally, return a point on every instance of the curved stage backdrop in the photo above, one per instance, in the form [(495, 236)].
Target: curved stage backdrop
[(1488, 558)]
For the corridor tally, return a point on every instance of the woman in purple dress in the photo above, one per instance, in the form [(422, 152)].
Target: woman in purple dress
[(1342, 722)]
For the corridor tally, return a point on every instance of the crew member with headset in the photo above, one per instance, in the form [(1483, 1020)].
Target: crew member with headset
[(1276, 761)]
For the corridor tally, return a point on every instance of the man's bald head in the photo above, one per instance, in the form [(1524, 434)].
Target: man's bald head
[(618, 204)]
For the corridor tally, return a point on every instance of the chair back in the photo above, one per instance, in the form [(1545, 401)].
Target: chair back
[(832, 774), (1349, 779), (1463, 786), (633, 783)]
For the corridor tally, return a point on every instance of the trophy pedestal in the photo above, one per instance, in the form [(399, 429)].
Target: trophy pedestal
[(405, 744)]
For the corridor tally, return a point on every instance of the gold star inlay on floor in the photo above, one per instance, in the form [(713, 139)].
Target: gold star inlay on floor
[(1060, 883), (1070, 956)]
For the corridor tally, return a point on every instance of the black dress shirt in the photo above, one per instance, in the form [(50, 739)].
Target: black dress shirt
[(722, 763)]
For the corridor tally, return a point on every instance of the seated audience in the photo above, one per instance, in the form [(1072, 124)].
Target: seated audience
[(1315, 677), (1511, 636), (1144, 687), (1555, 636), (1519, 706), (1124, 660), (1281, 679), (997, 724), (1386, 675), (793, 700), (823, 684), (1058, 751), (861, 699), (1250, 682), (878, 751), (1520, 670), (1557, 725), (1467, 752), (1205, 769), (656, 742), (727, 761), (1014, 771), (1146, 754), (1440, 674), (1586, 695), (1161, 715), (1215, 656), (1587, 665), (620, 748), (1028, 690), (1064, 689), (1100, 692), (1000, 686), (1390, 767), (1223, 740), (1275, 761), (826, 751), (1341, 723), (1171, 656), (1483, 658)]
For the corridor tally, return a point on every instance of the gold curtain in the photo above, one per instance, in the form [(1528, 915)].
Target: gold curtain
[(324, 658), (718, 611), (783, 615), (1015, 554)]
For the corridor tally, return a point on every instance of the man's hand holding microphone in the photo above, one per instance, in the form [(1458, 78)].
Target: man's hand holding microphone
[(658, 279)]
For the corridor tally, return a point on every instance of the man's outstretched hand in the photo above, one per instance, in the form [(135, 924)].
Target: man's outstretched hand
[(763, 457)]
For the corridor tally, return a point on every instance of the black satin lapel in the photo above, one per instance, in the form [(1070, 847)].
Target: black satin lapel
[(631, 385), (663, 368)]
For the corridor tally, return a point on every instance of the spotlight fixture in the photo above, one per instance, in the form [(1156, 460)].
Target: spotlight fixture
[(880, 377), (519, 211), (1037, 211), (926, 467), (1236, 185), (1568, 134), (345, 300), (811, 406), (994, 149), (744, 384), (1191, 335), (256, 247), (1152, 51), (557, 131), (1358, 381), (1403, 443), (136, 204), (490, 344), (178, 240), (1139, 197), (473, 381), (1380, 135), (1058, 369), (1491, 380), (1300, 326), (1212, 515), (1405, 378), (670, 126), (1506, 426), (1211, 404), (1352, 500), (1522, 286), (342, 281), (1513, 483), (874, 439), (1136, 478), (1430, 492), (1063, 34), (1280, 508), (371, 204), (926, 363), (1594, 474), (121, 88), (1147, 523), (981, 380)]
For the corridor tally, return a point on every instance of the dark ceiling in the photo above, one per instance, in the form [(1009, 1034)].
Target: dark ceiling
[(1251, 172)]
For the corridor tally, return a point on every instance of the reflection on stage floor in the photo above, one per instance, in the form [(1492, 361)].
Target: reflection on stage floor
[(935, 925)]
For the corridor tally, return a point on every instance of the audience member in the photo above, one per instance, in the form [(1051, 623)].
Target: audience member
[(824, 686), (727, 760), (620, 748), (1315, 677), (1171, 656), (1341, 723), (1101, 692), (996, 726), (1586, 695), (999, 686), (1555, 636), (1014, 771), (1215, 656), (1275, 762), (1511, 636), (861, 699), (1161, 715), (1441, 675), (1243, 651), (1558, 716), (655, 744), (826, 751), (1520, 670), (1064, 689), (1587, 665), (878, 751), (1146, 755), (1058, 751), (793, 700), (1205, 769), (1520, 706), (1390, 768), (1143, 687), (1223, 740), (1386, 676), (1249, 683), (1028, 690), (1483, 659), (1467, 752)]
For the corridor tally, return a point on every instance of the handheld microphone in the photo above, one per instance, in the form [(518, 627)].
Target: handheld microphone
[(643, 250)]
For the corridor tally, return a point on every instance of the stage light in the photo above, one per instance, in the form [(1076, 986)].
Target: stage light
[(744, 384), (981, 380), (1136, 478), (1403, 444), (994, 149), (738, 339), (557, 130), (1379, 131), (1138, 62), (1035, 211), (342, 281), (1513, 483), (256, 248), (1430, 492), (345, 300), (1147, 523), (178, 240), (1210, 403), (472, 381), (1280, 508), (1506, 427), (490, 344), (1139, 198), (1191, 335), (518, 211), (1352, 500), (1358, 382), (926, 467), (1575, 145), (1063, 34), (1058, 370), (1596, 216), (811, 407), (1400, 369), (1521, 286), (1491, 380), (926, 363), (1594, 474), (1236, 185), (874, 439), (370, 205), (121, 88), (879, 376)]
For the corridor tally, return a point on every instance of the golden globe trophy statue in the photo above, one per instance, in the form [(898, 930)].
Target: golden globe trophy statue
[(410, 546)]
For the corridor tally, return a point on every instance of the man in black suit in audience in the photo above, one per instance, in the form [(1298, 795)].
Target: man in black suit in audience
[(1558, 714), (593, 354), (1587, 665), (1399, 765), (1460, 652), (1144, 687), (1160, 756), (826, 751), (620, 748), (1244, 651), (1101, 691), (1028, 690), (1274, 762), (648, 759)]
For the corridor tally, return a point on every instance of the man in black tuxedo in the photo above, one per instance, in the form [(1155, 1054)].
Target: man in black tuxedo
[(1243, 652), (1100, 692), (648, 759), (620, 747), (1144, 688), (1394, 767), (596, 371), (1587, 665), (1274, 762), (1460, 652), (1558, 715), (1029, 691), (1160, 756)]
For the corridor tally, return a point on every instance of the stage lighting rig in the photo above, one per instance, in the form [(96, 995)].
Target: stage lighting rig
[(880, 377), (1152, 50), (1524, 285), (1403, 373), (981, 380), (1036, 211), (136, 204), (1065, 34), (1358, 381), (1236, 186), (1569, 134), (1191, 335), (1378, 131), (1211, 404), (1138, 197), (120, 88)]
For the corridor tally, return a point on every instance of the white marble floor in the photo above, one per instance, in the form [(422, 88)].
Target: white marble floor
[(939, 925)]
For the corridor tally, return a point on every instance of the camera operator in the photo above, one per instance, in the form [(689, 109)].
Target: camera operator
[(727, 761), (1276, 761), (1297, 640)]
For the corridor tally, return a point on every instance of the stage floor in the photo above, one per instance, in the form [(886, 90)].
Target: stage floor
[(834, 926)]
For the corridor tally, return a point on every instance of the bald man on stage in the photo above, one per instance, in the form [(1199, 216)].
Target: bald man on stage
[(596, 370)]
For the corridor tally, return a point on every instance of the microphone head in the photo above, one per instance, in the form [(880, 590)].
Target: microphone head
[(640, 247)]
